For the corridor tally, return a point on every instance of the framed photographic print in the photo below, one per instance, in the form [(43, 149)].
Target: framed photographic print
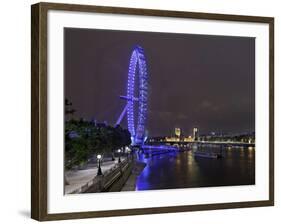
[(139, 111)]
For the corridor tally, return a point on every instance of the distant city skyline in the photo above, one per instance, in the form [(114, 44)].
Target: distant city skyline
[(190, 133), (194, 80)]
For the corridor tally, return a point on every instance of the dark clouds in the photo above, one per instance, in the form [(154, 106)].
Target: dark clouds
[(194, 80)]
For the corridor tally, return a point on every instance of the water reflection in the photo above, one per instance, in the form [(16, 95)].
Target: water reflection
[(182, 169)]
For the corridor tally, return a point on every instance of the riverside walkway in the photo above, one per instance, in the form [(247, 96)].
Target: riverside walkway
[(78, 179)]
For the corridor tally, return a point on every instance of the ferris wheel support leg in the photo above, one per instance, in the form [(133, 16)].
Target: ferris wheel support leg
[(121, 115)]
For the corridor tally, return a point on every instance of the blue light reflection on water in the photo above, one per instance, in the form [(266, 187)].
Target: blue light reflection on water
[(183, 170)]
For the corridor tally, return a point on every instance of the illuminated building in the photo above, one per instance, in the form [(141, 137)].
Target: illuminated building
[(195, 134), (188, 139), (177, 132), (172, 139)]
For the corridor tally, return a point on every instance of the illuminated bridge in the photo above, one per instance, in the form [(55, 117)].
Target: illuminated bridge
[(199, 143)]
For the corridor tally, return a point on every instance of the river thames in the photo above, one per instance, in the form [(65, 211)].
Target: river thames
[(183, 170)]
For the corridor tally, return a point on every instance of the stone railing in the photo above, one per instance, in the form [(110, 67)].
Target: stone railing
[(111, 180)]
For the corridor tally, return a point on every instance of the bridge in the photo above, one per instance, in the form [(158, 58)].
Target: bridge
[(152, 150), (200, 143), (157, 148)]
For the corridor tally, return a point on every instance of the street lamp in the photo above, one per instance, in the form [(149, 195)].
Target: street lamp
[(119, 153), (99, 168), (128, 151)]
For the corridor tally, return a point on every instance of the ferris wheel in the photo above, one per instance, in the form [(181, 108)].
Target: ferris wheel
[(136, 128)]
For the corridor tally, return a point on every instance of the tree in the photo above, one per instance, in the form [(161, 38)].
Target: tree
[(83, 139), (77, 139), (68, 107)]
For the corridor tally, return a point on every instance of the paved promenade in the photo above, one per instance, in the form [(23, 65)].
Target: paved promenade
[(78, 178)]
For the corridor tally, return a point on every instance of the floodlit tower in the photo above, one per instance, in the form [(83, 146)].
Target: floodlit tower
[(195, 134), (177, 132)]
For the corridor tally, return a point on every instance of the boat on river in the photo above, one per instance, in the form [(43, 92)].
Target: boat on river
[(211, 155)]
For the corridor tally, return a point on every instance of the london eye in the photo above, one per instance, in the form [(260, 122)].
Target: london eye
[(136, 119)]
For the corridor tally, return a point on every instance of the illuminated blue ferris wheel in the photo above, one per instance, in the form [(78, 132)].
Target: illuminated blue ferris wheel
[(137, 129)]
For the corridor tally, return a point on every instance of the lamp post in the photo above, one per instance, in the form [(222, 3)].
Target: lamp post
[(128, 151), (119, 154), (99, 168)]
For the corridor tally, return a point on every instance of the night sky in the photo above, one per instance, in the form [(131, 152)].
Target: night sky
[(194, 80)]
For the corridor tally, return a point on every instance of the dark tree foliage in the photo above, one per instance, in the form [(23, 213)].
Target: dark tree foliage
[(84, 139), (68, 107)]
